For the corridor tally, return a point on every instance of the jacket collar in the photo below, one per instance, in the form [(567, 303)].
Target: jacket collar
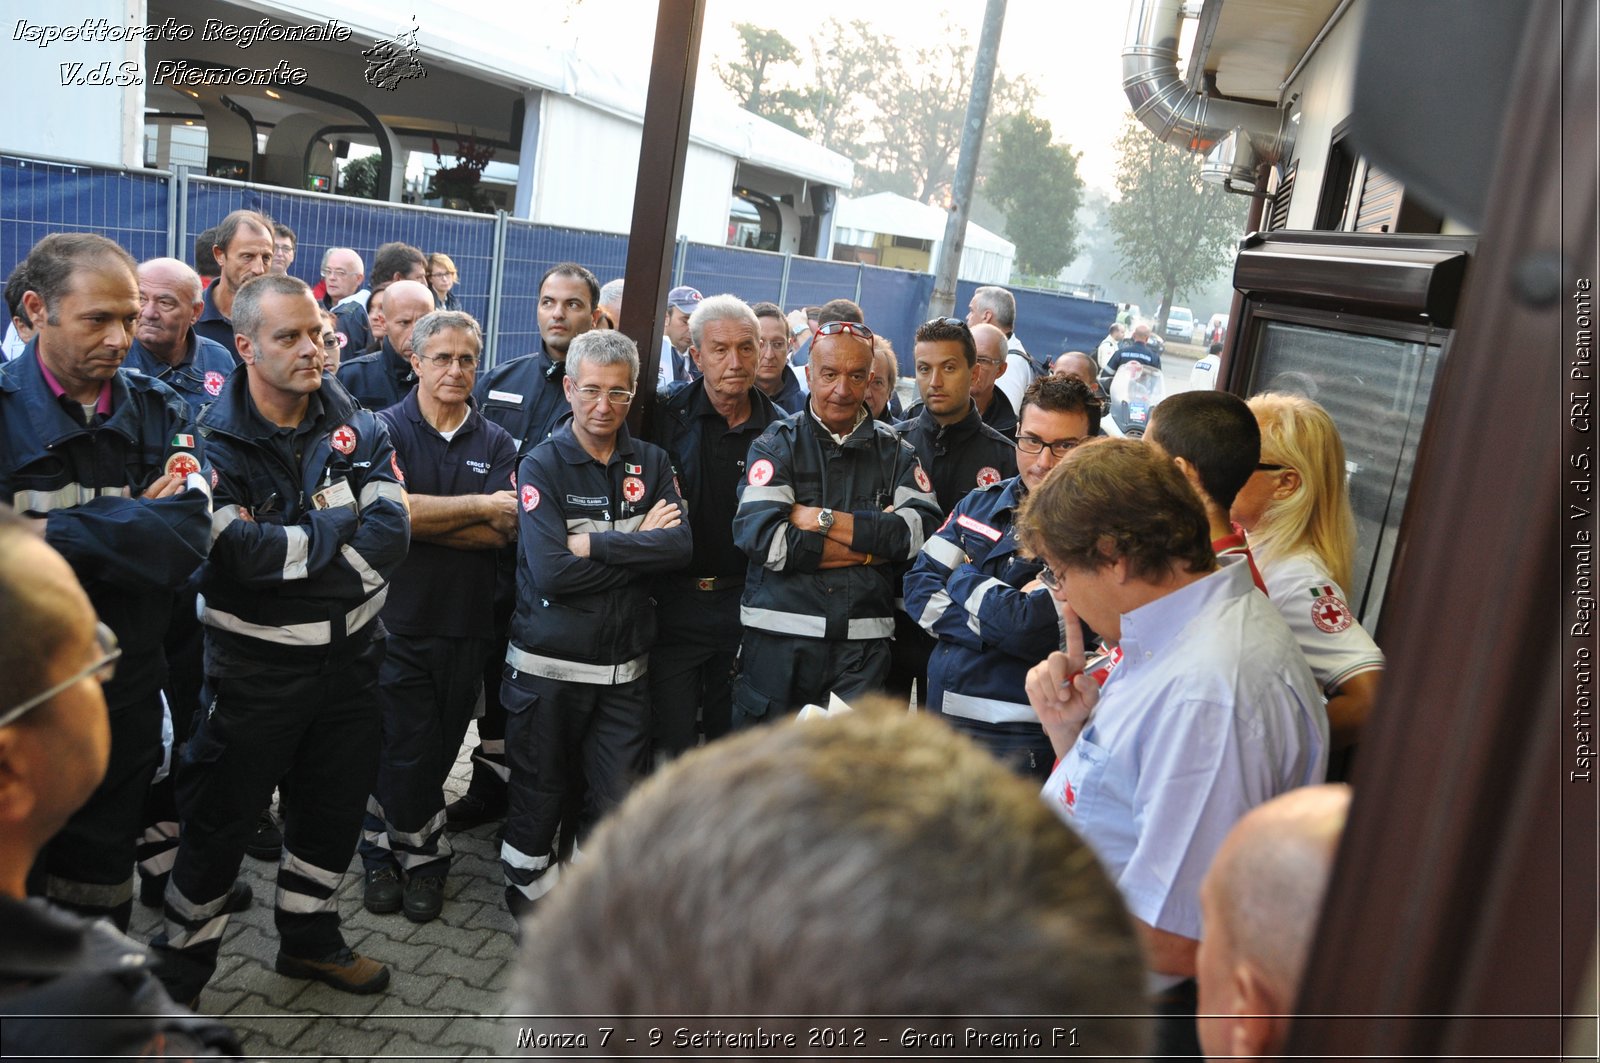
[(567, 445)]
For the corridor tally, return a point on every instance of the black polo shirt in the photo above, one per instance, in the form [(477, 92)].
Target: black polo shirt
[(721, 470), (443, 590), (213, 325)]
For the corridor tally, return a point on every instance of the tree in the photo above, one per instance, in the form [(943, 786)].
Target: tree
[(747, 79), (359, 177), (1173, 231), (845, 61), (1036, 183)]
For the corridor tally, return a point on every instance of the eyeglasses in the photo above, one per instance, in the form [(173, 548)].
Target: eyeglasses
[(1267, 466), (849, 328), (590, 393), (946, 321), (330, 343), (102, 669), (468, 362), (336, 273), (441, 276), (1047, 577), (1034, 445), (779, 345), (992, 363)]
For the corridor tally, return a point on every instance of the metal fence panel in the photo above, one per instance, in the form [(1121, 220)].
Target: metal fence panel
[(895, 302), (323, 221), (813, 281), (38, 198), (1050, 323), (753, 276), (530, 250)]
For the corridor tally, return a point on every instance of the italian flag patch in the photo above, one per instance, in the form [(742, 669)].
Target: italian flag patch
[(182, 440), (1323, 592)]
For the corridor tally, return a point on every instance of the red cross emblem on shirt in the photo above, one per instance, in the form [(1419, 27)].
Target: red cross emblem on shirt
[(633, 489), (343, 439), (1330, 614)]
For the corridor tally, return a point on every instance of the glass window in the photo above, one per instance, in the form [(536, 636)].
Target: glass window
[(1376, 389)]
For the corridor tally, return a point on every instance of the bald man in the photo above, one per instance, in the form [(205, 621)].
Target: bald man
[(1259, 904), (165, 344), (994, 405), (381, 379)]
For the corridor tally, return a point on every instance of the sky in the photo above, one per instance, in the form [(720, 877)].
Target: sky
[(1070, 49)]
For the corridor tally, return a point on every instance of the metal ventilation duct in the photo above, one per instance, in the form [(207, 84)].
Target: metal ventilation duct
[(1173, 112)]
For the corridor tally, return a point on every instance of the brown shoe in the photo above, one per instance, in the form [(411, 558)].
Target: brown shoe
[(344, 970)]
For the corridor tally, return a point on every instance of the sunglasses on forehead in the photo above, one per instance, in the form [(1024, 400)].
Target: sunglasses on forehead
[(848, 328), (946, 321)]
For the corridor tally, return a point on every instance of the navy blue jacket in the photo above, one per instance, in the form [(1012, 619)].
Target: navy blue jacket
[(1001, 415), (1133, 352), (287, 582), (590, 619), (964, 589), (129, 553), (206, 366), (960, 456), (791, 397), (350, 320), (214, 327), (525, 397), (796, 460), (378, 380)]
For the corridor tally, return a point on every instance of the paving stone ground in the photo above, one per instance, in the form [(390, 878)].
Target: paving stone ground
[(448, 976)]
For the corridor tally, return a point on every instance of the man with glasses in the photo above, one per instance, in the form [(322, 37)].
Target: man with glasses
[(775, 377), (109, 463), (976, 592), (830, 501), (600, 513), (1212, 711), (994, 405), (283, 245), (958, 451), (393, 262), (54, 748), (386, 376), (342, 274), (242, 250), (460, 476), (707, 429), (526, 397), (310, 524)]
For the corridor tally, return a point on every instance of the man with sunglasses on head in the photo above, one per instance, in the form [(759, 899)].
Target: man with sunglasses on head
[(461, 479), (831, 499), (54, 747), (957, 450), (976, 592), (110, 464), (600, 515)]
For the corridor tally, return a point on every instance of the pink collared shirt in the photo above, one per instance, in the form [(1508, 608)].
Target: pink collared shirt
[(102, 405)]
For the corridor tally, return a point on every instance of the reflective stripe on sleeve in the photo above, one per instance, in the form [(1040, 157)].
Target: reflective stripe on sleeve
[(296, 553), (975, 602), (370, 580), (376, 489), (781, 493), (945, 552)]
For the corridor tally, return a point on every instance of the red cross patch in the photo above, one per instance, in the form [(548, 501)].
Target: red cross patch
[(1070, 797), (394, 463), (1330, 614), (633, 489), (343, 339), (988, 475), (761, 473), (921, 477), (530, 498), (343, 439), (181, 464), (214, 382)]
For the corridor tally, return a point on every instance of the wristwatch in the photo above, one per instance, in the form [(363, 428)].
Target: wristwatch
[(825, 521)]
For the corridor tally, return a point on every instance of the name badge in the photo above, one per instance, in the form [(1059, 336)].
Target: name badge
[(335, 494), (505, 396)]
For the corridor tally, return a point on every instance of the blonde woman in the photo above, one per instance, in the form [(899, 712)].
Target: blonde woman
[(441, 279), (1296, 510)]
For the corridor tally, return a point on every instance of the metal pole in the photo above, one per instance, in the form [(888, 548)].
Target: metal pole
[(783, 285), (180, 219), (174, 215), (497, 276), (955, 228)]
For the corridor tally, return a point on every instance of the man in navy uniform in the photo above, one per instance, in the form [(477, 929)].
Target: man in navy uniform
[(774, 375), (600, 515), (381, 379), (525, 396), (110, 464), (461, 475), (975, 592), (707, 428), (310, 524), (830, 500), (241, 249)]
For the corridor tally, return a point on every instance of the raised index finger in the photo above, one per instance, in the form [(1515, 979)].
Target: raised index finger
[(1071, 632)]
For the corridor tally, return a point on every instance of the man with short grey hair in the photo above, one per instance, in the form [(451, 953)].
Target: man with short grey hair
[(600, 513), (994, 305), (707, 428), (342, 274), (611, 302), (460, 470)]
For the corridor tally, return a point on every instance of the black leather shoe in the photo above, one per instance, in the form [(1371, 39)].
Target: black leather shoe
[(383, 892), (267, 842), (470, 810), (424, 898), (344, 970)]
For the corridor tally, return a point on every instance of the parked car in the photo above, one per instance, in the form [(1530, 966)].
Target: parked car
[(1180, 324)]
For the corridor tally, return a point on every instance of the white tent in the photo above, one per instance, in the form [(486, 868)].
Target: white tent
[(986, 257)]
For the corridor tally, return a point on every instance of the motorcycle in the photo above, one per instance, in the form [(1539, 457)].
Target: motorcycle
[(1135, 390)]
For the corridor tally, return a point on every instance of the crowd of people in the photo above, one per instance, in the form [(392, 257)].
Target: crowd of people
[(319, 565)]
